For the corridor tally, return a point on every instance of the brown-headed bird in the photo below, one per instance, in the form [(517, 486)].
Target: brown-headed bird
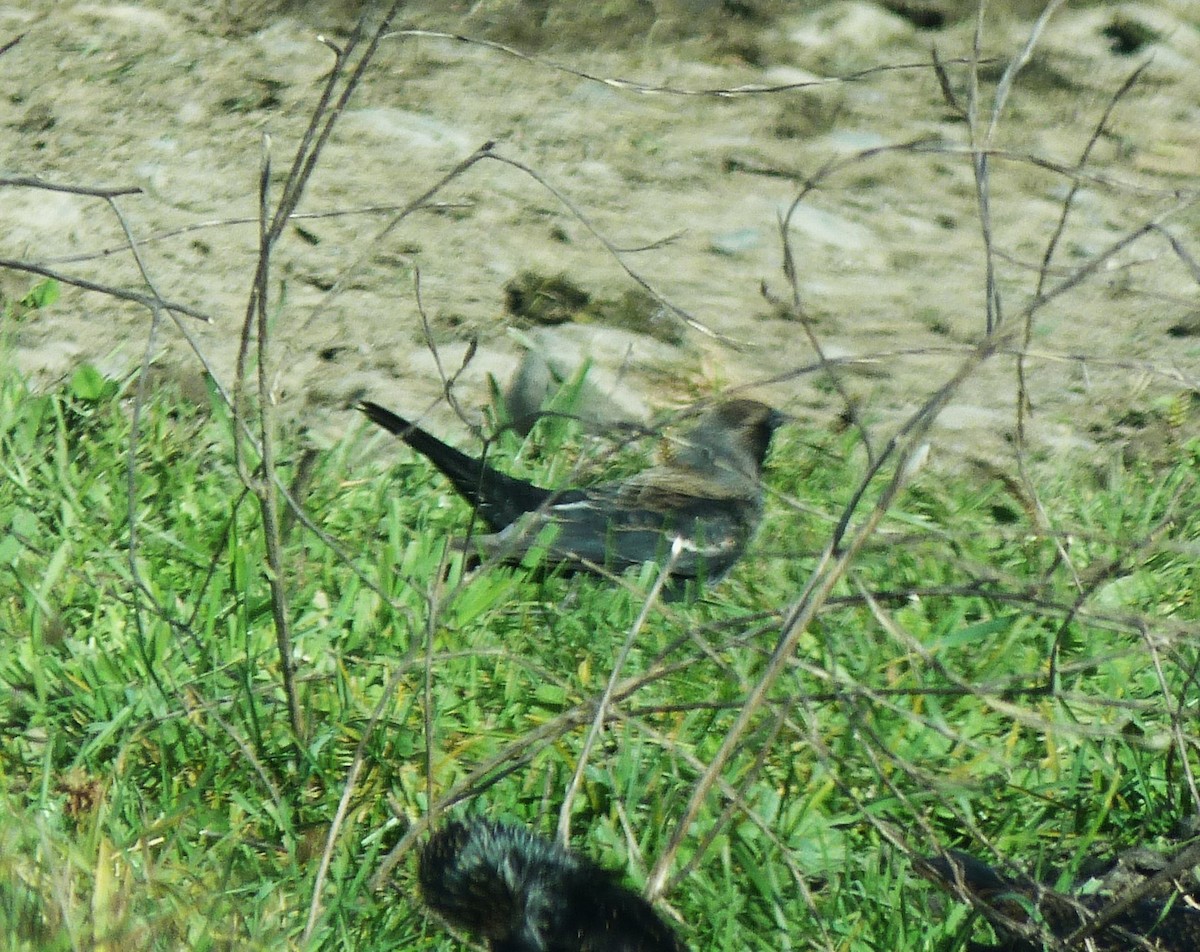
[(706, 499), (523, 893), (1167, 925)]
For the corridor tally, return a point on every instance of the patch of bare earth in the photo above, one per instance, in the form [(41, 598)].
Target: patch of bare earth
[(679, 173)]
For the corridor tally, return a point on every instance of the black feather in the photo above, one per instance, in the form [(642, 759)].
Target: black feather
[(523, 893)]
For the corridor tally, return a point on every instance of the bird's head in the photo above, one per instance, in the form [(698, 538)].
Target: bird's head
[(732, 436)]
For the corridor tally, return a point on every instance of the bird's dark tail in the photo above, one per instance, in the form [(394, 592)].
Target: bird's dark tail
[(498, 498)]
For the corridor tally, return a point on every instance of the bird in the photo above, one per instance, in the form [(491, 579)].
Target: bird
[(705, 500), (1155, 923), (521, 892)]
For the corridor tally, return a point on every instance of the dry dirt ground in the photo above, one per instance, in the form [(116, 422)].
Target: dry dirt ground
[(686, 181)]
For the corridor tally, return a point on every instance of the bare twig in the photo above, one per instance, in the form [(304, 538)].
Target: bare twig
[(602, 706), (324, 117), (146, 300), (831, 566), (1181, 252), (95, 191), (170, 233), (1023, 400), (692, 322), (636, 86), (792, 276), (357, 765), (982, 145), (265, 488)]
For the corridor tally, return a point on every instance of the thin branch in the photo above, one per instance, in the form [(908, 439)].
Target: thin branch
[(906, 446), (1015, 65), (227, 222), (357, 765), (265, 487), (1022, 397), (371, 247), (11, 43), (637, 86), (602, 706), (149, 301), (617, 255), (317, 133), (96, 191), (1181, 252)]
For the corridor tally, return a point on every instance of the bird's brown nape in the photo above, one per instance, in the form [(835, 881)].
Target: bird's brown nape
[(740, 429), (762, 422), (743, 413)]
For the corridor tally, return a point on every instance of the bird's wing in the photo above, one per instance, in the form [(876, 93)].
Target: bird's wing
[(670, 487), (618, 526)]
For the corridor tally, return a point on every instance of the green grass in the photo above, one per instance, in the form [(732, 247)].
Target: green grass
[(152, 794)]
